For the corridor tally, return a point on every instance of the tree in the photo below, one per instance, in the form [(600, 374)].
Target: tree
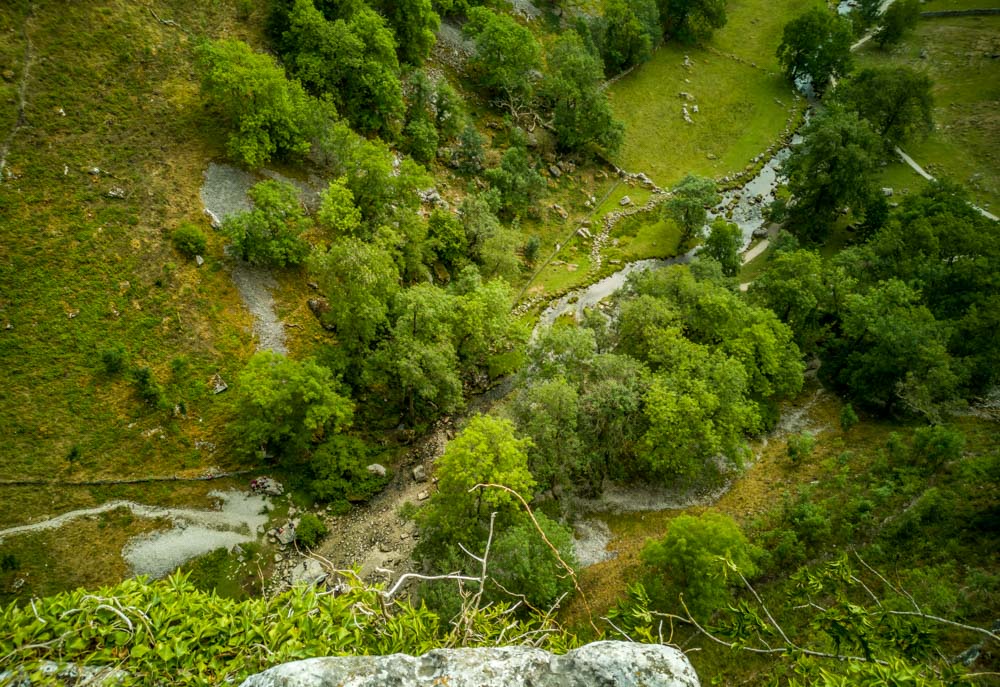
[(447, 238), (690, 21), (581, 114), (486, 451), (351, 59), (506, 59), (337, 212), (693, 559), (895, 101), (623, 39), (414, 23), (816, 46), (522, 562), (359, 279), (338, 468), (470, 156), (893, 350), (547, 413), (270, 233), (285, 405), (898, 18), (831, 169), (688, 202), (519, 183), (267, 113), (723, 243), (794, 287)]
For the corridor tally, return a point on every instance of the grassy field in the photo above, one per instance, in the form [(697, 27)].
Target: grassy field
[(743, 101), (966, 143)]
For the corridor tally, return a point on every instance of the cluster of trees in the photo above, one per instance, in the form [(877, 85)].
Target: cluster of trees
[(905, 320), (844, 146)]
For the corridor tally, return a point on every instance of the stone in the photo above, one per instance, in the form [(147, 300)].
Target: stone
[(694, 108), (554, 171), (217, 384), (887, 192), (625, 201), (309, 572), (278, 558), (199, 261), (623, 664), (265, 485), (423, 496), (376, 469), (116, 192), (385, 547), (419, 474), (923, 53), (8, 74), (711, 156), (285, 535)]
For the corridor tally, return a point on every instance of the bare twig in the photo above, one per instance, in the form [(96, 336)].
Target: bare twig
[(945, 621), (899, 590), (165, 22)]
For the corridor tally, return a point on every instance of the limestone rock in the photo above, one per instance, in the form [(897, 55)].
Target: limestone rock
[(376, 469), (625, 201), (419, 474), (622, 664), (309, 572)]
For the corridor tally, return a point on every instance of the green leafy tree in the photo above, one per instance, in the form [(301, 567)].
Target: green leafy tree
[(895, 101), (421, 138), (519, 183), (486, 451), (360, 280), (893, 353), (447, 237), (285, 405), (693, 559), (898, 18), (449, 110), (690, 21), (816, 46), (337, 212), (581, 114), (831, 169), (506, 58), (351, 59), (520, 561), (270, 233), (547, 413), (624, 40), (338, 468), (267, 113), (414, 23), (723, 243), (688, 204), (469, 157)]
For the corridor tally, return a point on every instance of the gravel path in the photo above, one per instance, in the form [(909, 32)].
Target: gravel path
[(224, 193)]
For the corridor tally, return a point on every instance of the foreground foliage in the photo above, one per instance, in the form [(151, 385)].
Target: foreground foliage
[(169, 632)]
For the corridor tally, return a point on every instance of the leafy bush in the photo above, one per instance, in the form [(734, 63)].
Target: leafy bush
[(271, 233), (692, 559), (531, 249), (848, 418), (146, 385), (310, 530), (189, 240), (339, 471), (114, 358), (801, 446), (422, 139), (937, 445)]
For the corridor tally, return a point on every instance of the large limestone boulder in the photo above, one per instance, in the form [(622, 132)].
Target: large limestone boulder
[(601, 664)]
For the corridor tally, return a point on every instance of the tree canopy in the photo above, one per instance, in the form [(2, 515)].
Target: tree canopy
[(507, 57), (267, 113), (895, 101), (816, 46), (692, 20), (270, 233)]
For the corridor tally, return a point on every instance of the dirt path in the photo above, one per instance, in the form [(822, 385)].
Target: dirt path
[(22, 94)]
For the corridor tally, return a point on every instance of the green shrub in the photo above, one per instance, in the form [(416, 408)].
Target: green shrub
[(935, 446), (531, 249), (848, 418), (74, 454), (145, 383), (422, 140), (189, 240), (310, 530), (113, 358), (801, 446)]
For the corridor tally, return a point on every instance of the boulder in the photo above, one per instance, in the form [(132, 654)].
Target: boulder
[(308, 572), (377, 469), (623, 664), (625, 201), (266, 485), (419, 474), (199, 261)]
